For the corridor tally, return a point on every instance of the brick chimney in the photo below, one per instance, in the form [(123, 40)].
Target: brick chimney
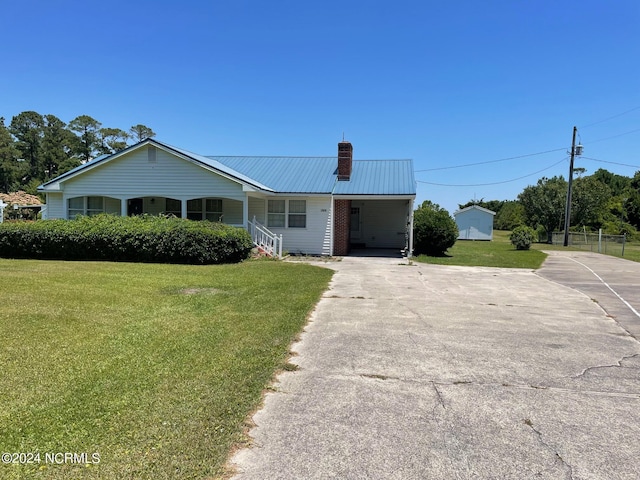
[(345, 158)]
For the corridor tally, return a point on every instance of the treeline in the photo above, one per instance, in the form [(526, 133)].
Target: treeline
[(35, 148), (602, 200)]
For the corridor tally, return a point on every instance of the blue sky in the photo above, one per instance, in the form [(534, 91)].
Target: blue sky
[(443, 83)]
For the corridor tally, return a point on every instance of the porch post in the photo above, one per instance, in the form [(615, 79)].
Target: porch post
[(124, 211), (183, 208), (245, 211)]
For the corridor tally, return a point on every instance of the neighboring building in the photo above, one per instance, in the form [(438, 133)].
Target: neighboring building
[(475, 223), (320, 205)]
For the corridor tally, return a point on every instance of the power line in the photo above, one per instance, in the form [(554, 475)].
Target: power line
[(612, 163), (490, 161), (494, 183), (611, 118), (613, 136)]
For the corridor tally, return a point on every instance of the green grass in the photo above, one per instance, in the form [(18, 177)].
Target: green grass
[(497, 253), (500, 253), (153, 367)]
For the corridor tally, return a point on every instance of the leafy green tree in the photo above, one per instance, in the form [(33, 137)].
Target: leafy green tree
[(434, 231), (493, 205), (544, 203), (619, 184), (58, 145), (510, 216), (632, 202), (27, 127), (88, 129), (141, 132), (112, 140), (589, 202), (11, 170)]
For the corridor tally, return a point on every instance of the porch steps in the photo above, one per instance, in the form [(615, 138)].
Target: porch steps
[(267, 242)]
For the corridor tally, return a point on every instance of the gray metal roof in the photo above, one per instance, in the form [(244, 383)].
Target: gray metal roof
[(312, 175), (287, 174), (319, 175), (379, 177)]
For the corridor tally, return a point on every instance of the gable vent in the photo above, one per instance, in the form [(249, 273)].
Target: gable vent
[(151, 154)]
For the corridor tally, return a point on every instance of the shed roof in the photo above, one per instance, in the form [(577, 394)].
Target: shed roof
[(474, 207)]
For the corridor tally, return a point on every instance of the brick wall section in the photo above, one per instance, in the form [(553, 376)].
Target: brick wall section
[(341, 226)]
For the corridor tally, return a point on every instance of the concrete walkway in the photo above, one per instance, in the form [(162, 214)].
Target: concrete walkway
[(431, 372)]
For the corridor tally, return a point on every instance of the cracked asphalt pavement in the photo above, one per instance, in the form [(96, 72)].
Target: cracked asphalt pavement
[(424, 371)]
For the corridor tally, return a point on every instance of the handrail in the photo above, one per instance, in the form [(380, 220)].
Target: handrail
[(269, 242)]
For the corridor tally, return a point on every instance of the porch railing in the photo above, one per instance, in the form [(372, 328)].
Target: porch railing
[(265, 239)]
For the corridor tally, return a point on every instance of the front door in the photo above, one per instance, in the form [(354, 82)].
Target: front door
[(134, 206)]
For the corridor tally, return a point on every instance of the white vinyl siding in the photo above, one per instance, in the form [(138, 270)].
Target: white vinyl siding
[(256, 209), (55, 205), (314, 239), (132, 175)]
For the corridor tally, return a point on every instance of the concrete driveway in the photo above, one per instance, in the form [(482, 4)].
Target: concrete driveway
[(431, 372)]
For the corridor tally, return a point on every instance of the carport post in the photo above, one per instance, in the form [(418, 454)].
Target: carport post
[(410, 253)]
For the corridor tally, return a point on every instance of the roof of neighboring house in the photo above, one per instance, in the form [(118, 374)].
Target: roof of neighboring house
[(474, 207), (20, 198), (311, 175)]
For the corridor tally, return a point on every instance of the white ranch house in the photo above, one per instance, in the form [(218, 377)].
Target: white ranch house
[(315, 205)]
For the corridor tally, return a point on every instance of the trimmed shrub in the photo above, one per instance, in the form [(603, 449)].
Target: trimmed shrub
[(522, 237), (126, 239), (434, 231)]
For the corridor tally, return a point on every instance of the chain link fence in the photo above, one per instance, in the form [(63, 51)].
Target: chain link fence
[(594, 242)]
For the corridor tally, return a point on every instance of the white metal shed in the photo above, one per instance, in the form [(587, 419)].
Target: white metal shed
[(474, 223)]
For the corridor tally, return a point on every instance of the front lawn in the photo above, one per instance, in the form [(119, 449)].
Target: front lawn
[(497, 253), (154, 368)]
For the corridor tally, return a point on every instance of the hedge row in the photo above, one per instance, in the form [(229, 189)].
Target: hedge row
[(126, 239)]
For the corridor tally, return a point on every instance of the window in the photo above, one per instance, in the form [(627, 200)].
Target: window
[(194, 209), (85, 206), (287, 213), (95, 205), (297, 213), (276, 213), (76, 207), (173, 207), (214, 209)]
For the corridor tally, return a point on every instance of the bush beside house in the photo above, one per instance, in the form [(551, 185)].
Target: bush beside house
[(126, 239), (434, 231)]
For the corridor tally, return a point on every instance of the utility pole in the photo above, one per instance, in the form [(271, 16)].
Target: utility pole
[(567, 211)]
